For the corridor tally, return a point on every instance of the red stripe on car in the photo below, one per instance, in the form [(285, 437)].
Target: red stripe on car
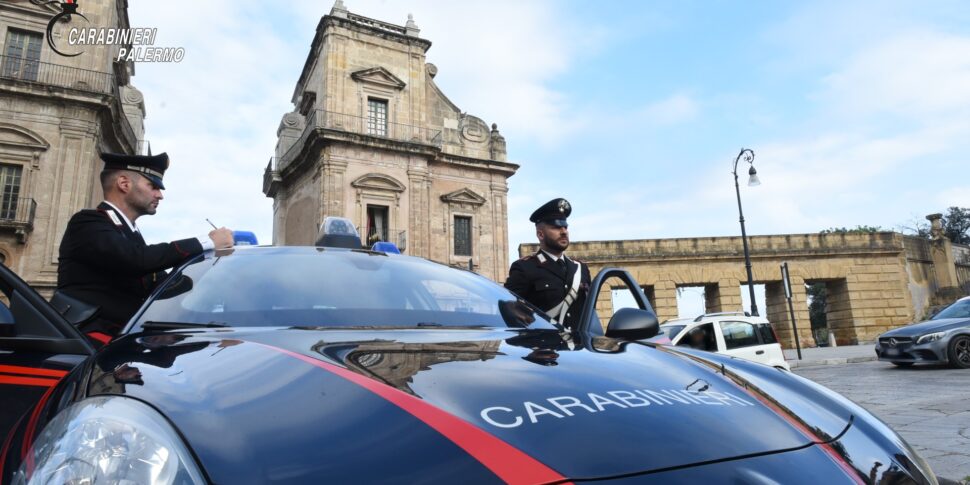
[(506, 461), (27, 381), (100, 337), (32, 371)]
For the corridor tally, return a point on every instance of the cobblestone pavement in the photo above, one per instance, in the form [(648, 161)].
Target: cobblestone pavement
[(928, 405)]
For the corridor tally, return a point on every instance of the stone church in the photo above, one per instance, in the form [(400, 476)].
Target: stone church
[(56, 114), (373, 139)]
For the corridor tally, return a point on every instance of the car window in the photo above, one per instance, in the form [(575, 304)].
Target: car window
[(671, 331), (327, 287), (960, 309), (767, 334), (700, 337), (738, 334)]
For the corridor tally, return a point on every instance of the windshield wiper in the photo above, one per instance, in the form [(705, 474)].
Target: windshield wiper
[(171, 325)]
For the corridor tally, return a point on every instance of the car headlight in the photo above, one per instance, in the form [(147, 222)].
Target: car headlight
[(109, 439), (930, 337)]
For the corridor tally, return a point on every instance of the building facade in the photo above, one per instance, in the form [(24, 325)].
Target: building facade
[(56, 114), (373, 139)]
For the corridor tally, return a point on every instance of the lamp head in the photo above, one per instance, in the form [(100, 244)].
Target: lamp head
[(753, 179)]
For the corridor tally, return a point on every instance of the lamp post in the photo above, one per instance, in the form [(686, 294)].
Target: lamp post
[(748, 155)]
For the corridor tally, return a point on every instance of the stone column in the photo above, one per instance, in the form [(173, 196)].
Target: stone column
[(944, 264), (419, 225), (665, 292), (780, 317), (500, 233), (724, 296), (332, 186)]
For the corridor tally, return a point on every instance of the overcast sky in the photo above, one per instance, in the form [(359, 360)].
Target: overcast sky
[(858, 112)]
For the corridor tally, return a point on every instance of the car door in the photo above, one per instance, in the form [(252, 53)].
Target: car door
[(740, 339), (611, 290), (37, 348)]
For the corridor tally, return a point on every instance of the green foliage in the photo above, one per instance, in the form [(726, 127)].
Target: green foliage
[(860, 229), (956, 225)]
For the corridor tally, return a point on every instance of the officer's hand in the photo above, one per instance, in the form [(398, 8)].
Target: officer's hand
[(222, 238)]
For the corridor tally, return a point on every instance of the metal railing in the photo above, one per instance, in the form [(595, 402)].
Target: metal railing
[(329, 120), (370, 235), (17, 211), (22, 69)]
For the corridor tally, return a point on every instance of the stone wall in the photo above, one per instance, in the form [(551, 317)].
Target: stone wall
[(866, 274)]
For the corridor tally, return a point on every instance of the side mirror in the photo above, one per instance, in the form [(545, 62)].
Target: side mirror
[(633, 324)]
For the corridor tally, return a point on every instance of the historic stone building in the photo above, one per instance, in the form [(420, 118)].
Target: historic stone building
[(56, 114), (874, 282), (372, 138)]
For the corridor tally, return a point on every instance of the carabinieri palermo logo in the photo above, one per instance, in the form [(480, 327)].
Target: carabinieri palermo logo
[(68, 9), (134, 44)]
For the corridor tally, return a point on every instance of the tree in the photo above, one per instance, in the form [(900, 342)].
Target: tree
[(956, 225)]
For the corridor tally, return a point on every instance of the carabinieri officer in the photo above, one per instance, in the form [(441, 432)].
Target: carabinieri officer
[(104, 261), (548, 279)]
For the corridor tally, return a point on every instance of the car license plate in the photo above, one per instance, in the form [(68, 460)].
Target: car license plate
[(892, 352)]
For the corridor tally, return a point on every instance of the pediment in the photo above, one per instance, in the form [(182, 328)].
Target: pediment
[(379, 182), (378, 76), (16, 136), (463, 196)]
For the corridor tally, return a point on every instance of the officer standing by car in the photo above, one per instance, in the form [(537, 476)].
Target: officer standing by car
[(104, 261), (549, 279)]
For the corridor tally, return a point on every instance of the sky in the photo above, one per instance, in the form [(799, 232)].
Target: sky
[(858, 112)]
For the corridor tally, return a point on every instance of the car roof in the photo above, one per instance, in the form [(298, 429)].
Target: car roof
[(713, 317)]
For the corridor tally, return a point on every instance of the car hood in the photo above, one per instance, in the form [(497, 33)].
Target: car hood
[(292, 404), (928, 326)]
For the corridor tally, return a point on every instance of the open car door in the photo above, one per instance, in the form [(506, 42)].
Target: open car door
[(627, 315), (38, 347)]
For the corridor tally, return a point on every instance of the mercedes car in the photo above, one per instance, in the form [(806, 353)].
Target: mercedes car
[(323, 364), (943, 339)]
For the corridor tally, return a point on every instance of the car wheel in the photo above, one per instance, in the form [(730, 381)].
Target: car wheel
[(902, 364), (959, 352)]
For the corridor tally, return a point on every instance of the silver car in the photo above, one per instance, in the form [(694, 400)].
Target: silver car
[(945, 338)]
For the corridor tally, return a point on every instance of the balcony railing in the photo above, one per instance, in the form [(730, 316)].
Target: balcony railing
[(329, 120), (370, 235), (18, 214), (21, 69)]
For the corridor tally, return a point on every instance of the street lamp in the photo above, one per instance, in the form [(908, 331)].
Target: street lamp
[(748, 155)]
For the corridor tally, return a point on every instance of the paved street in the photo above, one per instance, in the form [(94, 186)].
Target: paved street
[(928, 406)]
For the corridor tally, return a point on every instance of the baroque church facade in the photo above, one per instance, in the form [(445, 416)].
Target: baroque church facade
[(372, 138)]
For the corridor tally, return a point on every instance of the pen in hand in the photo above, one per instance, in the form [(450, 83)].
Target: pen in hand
[(211, 224)]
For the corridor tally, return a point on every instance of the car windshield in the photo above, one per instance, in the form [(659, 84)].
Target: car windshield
[(671, 331), (960, 309), (323, 287)]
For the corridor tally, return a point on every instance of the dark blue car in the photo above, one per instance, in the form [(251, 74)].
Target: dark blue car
[(314, 365)]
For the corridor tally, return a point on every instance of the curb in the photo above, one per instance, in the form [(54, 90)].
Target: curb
[(836, 361)]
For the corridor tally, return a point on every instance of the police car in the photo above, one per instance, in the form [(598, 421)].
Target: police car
[(731, 333), (347, 365)]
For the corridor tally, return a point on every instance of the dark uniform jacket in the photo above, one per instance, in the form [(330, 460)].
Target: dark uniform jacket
[(106, 264), (545, 284)]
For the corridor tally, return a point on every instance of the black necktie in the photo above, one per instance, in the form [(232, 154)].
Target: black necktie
[(562, 264)]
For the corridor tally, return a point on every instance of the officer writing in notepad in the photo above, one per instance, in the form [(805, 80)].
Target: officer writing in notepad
[(549, 279), (105, 262)]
